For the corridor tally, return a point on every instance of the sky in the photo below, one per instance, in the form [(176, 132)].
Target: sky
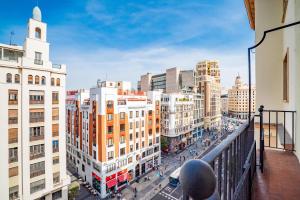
[(124, 39)]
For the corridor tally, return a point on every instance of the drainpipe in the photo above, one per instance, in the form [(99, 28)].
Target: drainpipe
[(249, 59)]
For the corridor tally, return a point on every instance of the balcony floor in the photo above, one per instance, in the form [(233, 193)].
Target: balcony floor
[(281, 177)]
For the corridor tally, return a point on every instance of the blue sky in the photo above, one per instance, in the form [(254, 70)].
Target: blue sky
[(123, 39)]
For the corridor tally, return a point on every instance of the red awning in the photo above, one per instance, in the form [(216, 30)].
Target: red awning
[(122, 178), (111, 183)]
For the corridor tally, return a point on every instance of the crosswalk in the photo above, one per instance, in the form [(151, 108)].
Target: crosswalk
[(167, 196)]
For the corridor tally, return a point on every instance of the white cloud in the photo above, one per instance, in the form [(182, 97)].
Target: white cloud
[(85, 67)]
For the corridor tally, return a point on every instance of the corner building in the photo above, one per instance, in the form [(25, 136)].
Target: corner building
[(113, 134), (32, 120)]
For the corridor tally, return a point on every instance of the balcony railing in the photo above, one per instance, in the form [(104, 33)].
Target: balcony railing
[(226, 172), (276, 130), (35, 156), (36, 137), (12, 120), (37, 173), (55, 150), (38, 62), (13, 159)]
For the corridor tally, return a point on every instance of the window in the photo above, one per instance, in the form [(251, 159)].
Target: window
[(131, 125), (37, 33), (137, 134), (57, 82), (110, 104), (122, 139), (130, 136), (143, 133), (8, 78), (36, 115), (55, 114), (55, 160), (17, 78), (150, 142), (122, 151), (38, 58), (131, 114), (43, 80), (37, 80), (14, 192), (36, 133), (143, 113), (52, 81), (122, 115), (13, 155), (136, 124), (286, 78), (137, 146), (37, 186), (55, 146), (122, 127), (37, 169), (12, 116), (58, 194), (110, 142), (131, 148), (143, 144), (30, 79), (55, 130), (55, 98), (137, 114), (109, 117), (129, 160), (110, 129), (12, 97), (37, 151), (110, 155), (285, 4)]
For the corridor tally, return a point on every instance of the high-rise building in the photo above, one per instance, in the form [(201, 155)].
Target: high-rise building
[(32, 120), (174, 80), (207, 75), (224, 104), (113, 134), (238, 100)]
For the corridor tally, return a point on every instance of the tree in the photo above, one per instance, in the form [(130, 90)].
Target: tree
[(73, 190), (164, 143)]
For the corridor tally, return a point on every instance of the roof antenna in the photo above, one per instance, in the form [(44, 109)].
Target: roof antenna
[(10, 38)]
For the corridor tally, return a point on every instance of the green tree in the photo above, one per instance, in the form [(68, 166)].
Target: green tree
[(164, 143), (73, 190)]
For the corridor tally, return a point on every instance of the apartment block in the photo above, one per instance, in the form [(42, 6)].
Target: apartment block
[(32, 120), (238, 99), (113, 134), (207, 75)]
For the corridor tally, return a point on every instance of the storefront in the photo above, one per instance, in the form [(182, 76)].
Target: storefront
[(137, 170), (149, 164), (143, 168), (111, 183), (122, 179), (96, 182), (156, 161), (130, 175)]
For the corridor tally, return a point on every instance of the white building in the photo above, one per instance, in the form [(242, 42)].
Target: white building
[(177, 121), (113, 134), (32, 119)]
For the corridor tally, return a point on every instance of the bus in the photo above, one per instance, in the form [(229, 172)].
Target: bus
[(174, 177)]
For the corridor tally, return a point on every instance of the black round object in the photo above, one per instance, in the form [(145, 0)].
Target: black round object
[(197, 179)]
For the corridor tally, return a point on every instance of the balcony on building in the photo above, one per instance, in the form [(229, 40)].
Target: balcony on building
[(260, 160), (10, 54)]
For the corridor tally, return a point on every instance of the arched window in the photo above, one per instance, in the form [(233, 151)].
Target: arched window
[(43, 80), (8, 78), (17, 78), (37, 33), (30, 79), (58, 82), (36, 80), (52, 81)]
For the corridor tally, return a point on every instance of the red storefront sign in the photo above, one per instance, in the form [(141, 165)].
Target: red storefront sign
[(122, 172), (96, 176), (122, 178), (108, 178), (111, 183)]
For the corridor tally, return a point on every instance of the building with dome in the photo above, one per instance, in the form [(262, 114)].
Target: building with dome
[(238, 99), (32, 121)]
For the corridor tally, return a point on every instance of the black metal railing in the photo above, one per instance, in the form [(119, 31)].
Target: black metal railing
[(233, 162), (278, 130)]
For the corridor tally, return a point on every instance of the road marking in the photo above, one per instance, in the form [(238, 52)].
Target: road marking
[(164, 194)]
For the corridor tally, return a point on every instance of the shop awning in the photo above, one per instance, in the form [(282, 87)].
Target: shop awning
[(122, 178), (111, 183)]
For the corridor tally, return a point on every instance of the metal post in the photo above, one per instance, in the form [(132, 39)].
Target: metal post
[(261, 138)]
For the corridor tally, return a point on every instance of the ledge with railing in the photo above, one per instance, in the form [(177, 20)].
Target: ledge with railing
[(226, 172)]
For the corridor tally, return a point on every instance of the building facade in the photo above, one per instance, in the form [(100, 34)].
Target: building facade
[(177, 120), (238, 100), (207, 75), (113, 134), (224, 104), (32, 119)]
